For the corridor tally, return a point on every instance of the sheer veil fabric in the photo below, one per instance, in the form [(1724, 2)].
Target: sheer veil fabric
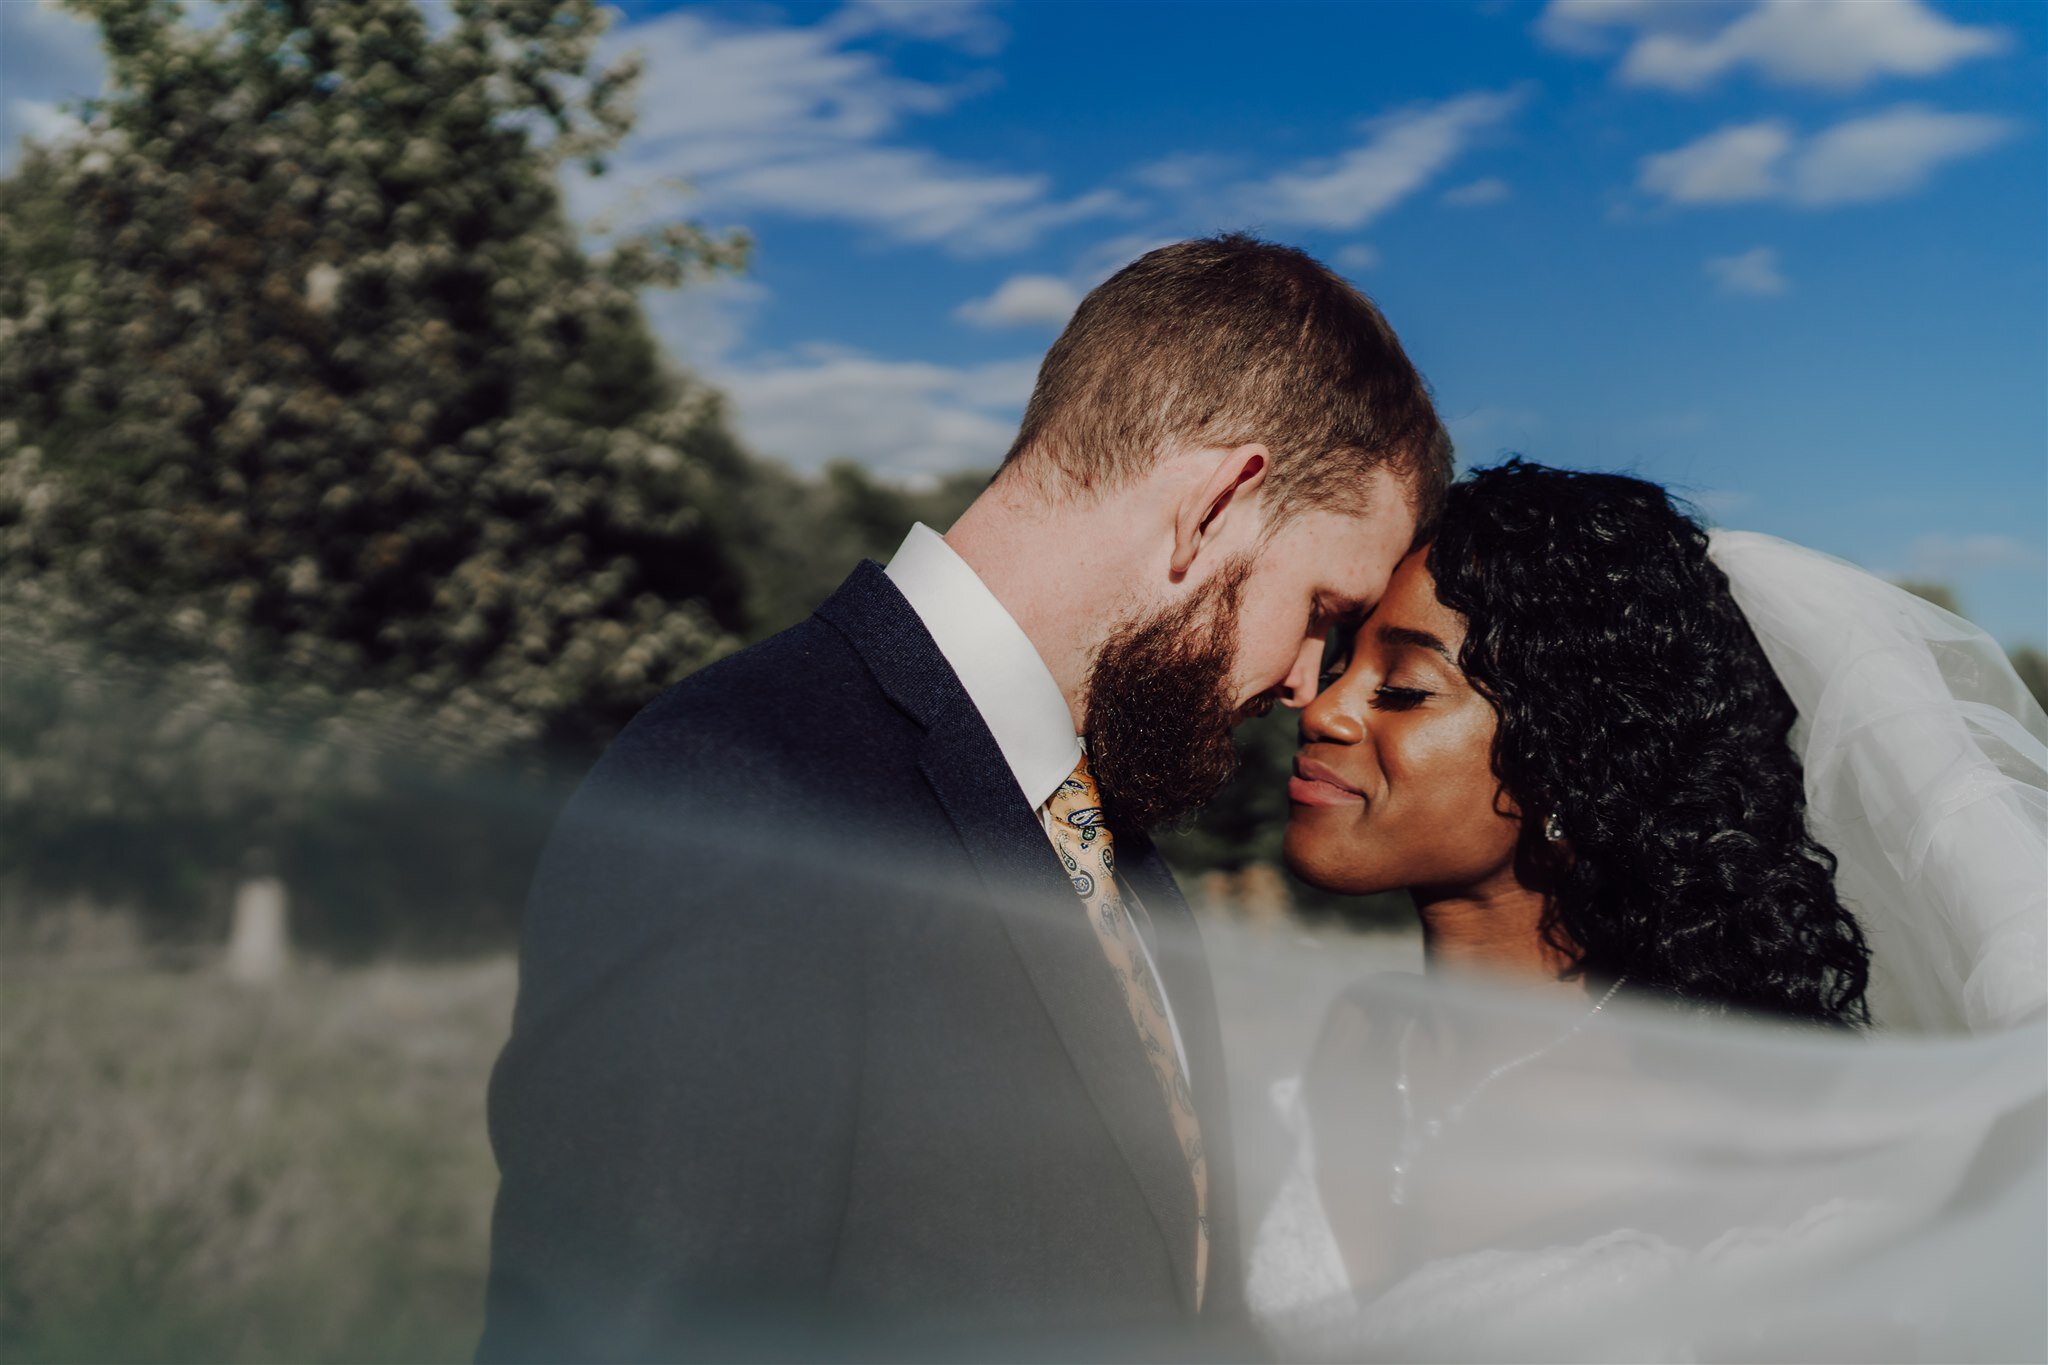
[(1653, 1186), (1925, 759)]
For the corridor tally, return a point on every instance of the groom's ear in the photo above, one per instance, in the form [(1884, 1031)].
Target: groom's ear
[(1230, 489)]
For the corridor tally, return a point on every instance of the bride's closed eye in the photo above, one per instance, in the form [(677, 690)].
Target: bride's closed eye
[(1391, 698)]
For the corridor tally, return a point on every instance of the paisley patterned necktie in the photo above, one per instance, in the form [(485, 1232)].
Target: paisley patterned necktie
[(1084, 845)]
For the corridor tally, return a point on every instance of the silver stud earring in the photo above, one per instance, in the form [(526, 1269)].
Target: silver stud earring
[(1553, 828)]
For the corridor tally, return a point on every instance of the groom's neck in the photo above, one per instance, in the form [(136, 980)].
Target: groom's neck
[(1066, 569)]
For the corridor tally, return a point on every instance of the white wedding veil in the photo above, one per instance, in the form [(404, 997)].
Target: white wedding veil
[(1656, 1186), (1926, 776)]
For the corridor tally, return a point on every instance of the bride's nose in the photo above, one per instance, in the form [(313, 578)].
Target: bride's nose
[(1330, 718)]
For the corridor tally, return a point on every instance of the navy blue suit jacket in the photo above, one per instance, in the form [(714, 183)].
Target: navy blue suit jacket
[(813, 1034)]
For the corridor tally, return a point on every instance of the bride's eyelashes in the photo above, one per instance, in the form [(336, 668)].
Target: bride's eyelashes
[(1390, 698)]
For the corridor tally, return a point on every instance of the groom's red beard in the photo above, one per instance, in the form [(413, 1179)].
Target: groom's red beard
[(1160, 707)]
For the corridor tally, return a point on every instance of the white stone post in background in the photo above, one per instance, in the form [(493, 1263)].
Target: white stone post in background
[(259, 945)]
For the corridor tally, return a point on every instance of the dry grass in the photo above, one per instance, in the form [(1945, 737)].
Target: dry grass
[(196, 1171)]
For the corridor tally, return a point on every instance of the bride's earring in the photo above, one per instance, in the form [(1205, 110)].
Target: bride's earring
[(1553, 828)]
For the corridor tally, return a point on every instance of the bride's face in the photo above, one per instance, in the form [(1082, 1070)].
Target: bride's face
[(1394, 785)]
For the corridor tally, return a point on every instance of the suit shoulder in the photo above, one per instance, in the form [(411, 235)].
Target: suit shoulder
[(765, 691), (799, 709)]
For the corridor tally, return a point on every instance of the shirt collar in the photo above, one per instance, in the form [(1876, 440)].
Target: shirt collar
[(993, 658)]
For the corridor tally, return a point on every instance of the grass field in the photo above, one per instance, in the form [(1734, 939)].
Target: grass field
[(195, 1171)]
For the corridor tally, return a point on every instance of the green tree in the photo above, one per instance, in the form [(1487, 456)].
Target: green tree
[(2030, 663), (1940, 594), (807, 533), (2032, 666), (322, 436)]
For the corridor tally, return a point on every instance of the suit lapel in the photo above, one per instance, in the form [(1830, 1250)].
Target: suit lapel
[(1021, 875)]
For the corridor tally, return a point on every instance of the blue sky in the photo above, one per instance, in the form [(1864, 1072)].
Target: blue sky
[(1788, 256)]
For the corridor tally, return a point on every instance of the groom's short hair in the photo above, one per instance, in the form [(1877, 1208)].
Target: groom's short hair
[(1224, 341)]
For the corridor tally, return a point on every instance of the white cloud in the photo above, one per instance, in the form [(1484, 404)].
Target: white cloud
[(1491, 190), (899, 418), (1105, 258), (1580, 26), (1185, 172), (1358, 256), (1838, 45), (906, 192), (42, 120), (765, 119), (47, 58), (1735, 163), (1750, 272), (1023, 301), (703, 324), (1885, 155), (1877, 156), (1941, 556), (1026, 225), (1402, 153), (963, 23)]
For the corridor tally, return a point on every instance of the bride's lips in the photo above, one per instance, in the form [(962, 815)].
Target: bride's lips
[(1315, 785)]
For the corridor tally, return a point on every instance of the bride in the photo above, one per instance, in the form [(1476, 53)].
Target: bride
[(1703, 830)]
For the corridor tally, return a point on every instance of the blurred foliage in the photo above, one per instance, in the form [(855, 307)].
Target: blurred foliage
[(1940, 594), (2032, 666), (305, 372), (337, 477), (2030, 663), (813, 531)]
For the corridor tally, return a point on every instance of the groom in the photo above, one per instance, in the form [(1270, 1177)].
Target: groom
[(852, 993)]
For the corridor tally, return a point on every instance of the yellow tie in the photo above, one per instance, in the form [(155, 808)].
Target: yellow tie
[(1084, 845)]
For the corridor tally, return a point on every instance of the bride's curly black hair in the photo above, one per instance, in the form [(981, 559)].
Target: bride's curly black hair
[(1636, 707)]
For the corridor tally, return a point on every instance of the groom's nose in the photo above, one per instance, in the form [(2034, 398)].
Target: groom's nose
[(1298, 688)]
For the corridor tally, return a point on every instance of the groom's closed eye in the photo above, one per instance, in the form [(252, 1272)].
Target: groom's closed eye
[(1332, 610), (1332, 616), (1337, 645)]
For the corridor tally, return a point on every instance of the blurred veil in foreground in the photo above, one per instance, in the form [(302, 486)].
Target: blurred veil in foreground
[(1655, 1190), (1511, 1178)]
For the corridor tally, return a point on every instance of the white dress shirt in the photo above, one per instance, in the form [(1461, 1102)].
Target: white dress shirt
[(1006, 680)]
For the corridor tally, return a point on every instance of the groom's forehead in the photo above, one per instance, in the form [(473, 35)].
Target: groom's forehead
[(1349, 555)]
